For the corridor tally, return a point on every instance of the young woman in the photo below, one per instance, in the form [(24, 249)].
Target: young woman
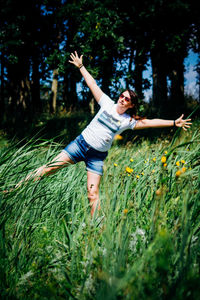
[(94, 142)]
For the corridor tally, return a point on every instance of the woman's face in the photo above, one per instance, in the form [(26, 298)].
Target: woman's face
[(125, 100)]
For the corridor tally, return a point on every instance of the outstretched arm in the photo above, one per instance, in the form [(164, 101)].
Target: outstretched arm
[(159, 123), (91, 83)]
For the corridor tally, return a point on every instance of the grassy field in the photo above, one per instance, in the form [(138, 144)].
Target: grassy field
[(144, 243)]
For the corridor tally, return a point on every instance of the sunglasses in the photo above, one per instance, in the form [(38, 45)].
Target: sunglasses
[(125, 98)]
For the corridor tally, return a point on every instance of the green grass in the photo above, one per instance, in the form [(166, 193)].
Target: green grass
[(147, 245)]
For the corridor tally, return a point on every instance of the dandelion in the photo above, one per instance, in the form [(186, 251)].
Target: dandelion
[(115, 164), (178, 163), (164, 165), (142, 173), (182, 161), (137, 176), (125, 211), (166, 152), (158, 192), (154, 159), (153, 171), (183, 170), (178, 173), (131, 160), (163, 159), (129, 170), (118, 137)]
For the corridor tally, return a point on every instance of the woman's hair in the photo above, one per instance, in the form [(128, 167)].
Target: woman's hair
[(133, 112)]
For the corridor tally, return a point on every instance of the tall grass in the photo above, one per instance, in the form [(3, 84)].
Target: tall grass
[(144, 243)]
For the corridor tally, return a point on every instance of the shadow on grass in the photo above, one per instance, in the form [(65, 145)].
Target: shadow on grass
[(64, 128)]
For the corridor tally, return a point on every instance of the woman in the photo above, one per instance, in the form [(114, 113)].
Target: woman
[(94, 142)]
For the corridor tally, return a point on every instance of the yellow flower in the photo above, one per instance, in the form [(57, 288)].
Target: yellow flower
[(163, 159), (115, 164), (137, 176), (145, 161), (158, 192), (165, 165), (131, 160), (182, 161), (118, 137), (129, 170), (178, 173), (154, 159), (178, 163), (125, 211), (153, 171), (165, 152), (183, 170), (142, 173)]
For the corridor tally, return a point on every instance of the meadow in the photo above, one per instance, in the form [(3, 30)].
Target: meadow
[(143, 244)]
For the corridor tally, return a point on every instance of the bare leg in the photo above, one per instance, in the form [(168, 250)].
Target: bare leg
[(93, 181), (60, 161)]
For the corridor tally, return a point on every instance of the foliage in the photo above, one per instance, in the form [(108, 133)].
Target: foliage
[(117, 39), (144, 244)]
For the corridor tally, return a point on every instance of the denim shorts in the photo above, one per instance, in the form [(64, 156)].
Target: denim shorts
[(80, 150)]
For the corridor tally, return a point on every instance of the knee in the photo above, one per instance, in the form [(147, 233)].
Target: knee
[(44, 170), (93, 194)]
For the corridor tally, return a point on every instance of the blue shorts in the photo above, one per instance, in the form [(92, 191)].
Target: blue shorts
[(80, 150)]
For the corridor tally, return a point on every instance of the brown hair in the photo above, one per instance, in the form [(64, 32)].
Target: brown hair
[(133, 112)]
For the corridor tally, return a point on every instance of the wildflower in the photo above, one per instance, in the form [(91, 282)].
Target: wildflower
[(158, 192), (163, 159), (153, 171), (118, 137), (142, 173), (154, 159), (166, 152), (137, 176), (178, 173), (129, 170), (164, 165), (183, 170), (182, 161), (178, 163), (115, 164), (131, 160), (145, 161), (125, 211)]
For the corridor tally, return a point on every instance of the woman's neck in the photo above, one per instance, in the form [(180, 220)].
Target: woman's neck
[(120, 110)]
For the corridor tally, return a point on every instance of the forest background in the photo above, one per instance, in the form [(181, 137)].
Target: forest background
[(118, 39)]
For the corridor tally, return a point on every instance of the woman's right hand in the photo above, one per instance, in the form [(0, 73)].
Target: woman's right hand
[(76, 60)]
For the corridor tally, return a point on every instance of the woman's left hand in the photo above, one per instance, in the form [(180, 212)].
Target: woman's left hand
[(185, 124)]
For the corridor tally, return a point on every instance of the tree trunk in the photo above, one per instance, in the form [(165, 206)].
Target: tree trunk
[(35, 87), (2, 100), (159, 80), (177, 82), (139, 68), (107, 74), (54, 90)]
